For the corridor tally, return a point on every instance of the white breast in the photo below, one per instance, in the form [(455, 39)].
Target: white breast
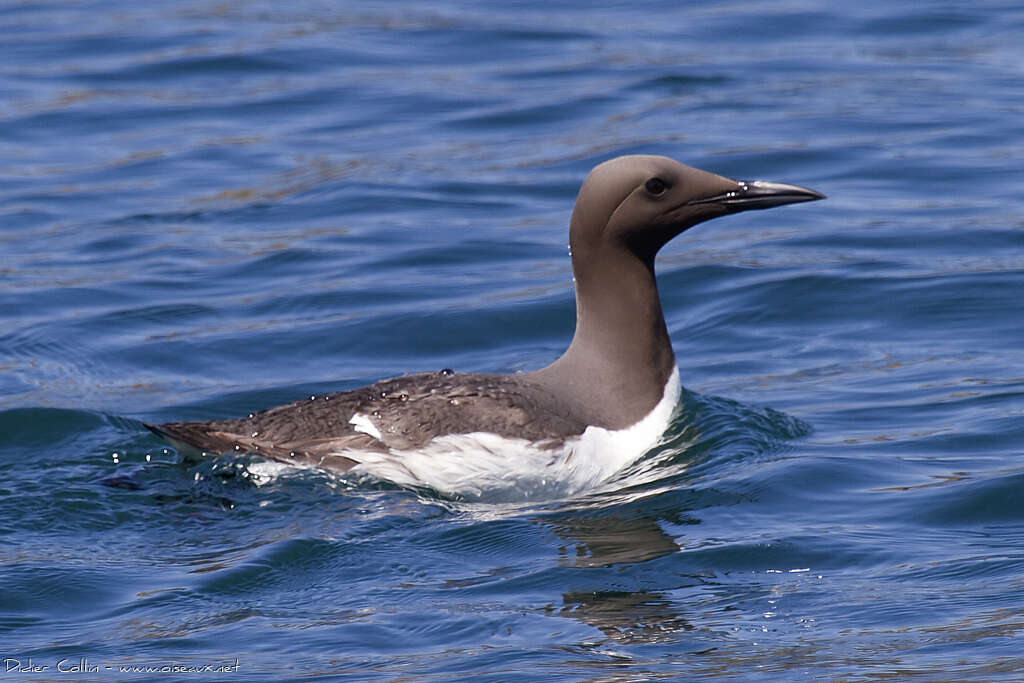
[(482, 465)]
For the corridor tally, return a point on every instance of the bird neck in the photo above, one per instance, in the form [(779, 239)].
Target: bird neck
[(620, 357)]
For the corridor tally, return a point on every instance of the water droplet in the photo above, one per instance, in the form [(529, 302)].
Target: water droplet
[(312, 398), (453, 401), (383, 394), (376, 413), (255, 434), (252, 415), (148, 457), (237, 447), (446, 372), (403, 397)]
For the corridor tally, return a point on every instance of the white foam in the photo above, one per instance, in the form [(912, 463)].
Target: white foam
[(266, 471), (482, 465)]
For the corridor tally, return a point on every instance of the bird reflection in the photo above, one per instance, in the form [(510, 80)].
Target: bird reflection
[(627, 617), (596, 542), (600, 541)]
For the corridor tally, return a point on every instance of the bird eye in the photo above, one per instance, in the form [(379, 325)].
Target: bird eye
[(656, 186)]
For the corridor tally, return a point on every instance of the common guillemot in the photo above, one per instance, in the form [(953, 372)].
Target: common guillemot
[(596, 409)]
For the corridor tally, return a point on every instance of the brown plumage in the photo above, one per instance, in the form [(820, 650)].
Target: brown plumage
[(408, 411)]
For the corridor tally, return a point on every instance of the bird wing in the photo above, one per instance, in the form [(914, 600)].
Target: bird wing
[(396, 414)]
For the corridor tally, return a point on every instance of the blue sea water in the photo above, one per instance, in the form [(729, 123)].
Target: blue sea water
[(208, 208)]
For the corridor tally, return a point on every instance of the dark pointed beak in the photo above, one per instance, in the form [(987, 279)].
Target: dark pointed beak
[(758, 194)]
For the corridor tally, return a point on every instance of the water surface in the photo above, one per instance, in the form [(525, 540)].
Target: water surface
[(210, 208)]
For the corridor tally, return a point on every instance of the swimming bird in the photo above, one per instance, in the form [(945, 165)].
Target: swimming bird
[(596, 409)]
